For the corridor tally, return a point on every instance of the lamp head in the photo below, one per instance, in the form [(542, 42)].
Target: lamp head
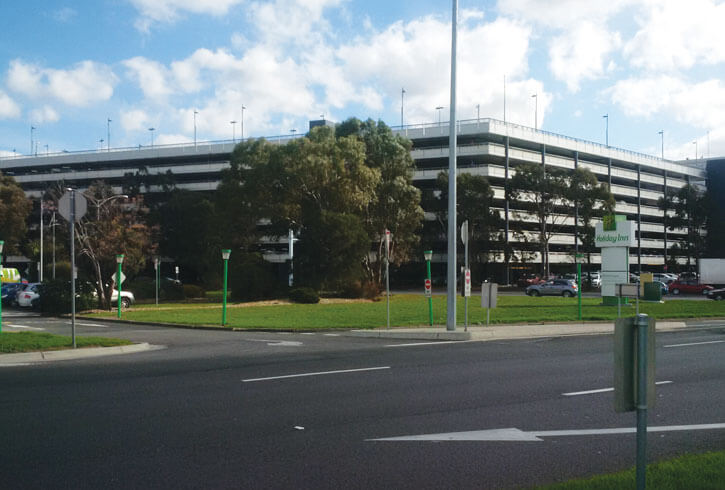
[(226, 253), (428, 254), (119, 259), (2, 244)]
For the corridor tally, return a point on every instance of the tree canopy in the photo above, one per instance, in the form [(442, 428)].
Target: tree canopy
[(14, 211)]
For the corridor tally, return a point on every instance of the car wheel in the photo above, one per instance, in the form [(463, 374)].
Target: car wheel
[(125, 302), (675, 291), (718, 297), (567, 294), (704, 291), (535, 292)]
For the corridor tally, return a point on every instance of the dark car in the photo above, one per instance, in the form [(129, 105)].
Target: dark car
[(555, 287), (716, 294), (9, 291)]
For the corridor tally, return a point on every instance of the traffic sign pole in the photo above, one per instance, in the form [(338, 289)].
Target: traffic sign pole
[(387, 272), (72, 219)]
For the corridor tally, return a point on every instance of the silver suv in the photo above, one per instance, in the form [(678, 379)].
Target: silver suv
[(555, 287)]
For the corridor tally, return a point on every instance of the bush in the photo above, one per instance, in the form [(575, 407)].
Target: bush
[(252, 278), (304, 295), (141, 288), (193, 291), (360, 289), (55, 297), (170, 290)]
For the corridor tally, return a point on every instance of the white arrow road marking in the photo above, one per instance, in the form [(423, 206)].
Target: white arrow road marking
[(12, 325), (277, 343), (604, 390), (88, 324), (315, 374), (696, 343), (513, 434)]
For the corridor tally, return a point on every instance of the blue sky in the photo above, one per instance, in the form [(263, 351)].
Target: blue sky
[(68, 67)]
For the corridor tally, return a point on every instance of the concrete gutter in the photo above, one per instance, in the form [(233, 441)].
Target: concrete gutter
[(68, 354), (504, 332)]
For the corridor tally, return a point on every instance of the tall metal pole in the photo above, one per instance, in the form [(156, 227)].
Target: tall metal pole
[(2, 243), (387, 273), (108, 134), (452, 174), (664, 214), (536, 111), (430, 298), (195, 113), (119, 261), (242, 122), (40, 272), (73, 264), (53, 245), (606, 132)]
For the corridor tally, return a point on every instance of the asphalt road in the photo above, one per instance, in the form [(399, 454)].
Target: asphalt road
[(258, 410)]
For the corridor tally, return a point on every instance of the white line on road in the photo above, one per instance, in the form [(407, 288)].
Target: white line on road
[(88, 324), (439, 342), (604, 390), (696, 343), (514, 434), (341, 371), (12, 325)]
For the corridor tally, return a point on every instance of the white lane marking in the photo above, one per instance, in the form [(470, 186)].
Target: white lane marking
[(696, 343), (331, 334), (439, 342), (12, 325), (604, 390), (308, 333), (341, 371), (514, 434), (91, 325)]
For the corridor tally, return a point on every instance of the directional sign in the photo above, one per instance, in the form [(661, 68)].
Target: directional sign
[(467, 283), (123, 278), (428, 288), (64, 205), (464, 232)]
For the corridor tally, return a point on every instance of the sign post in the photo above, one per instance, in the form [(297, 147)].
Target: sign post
[(428, 254), (466, 273), (489, 298), (634, 378), (387, 273), (615, 235), (72, 206)]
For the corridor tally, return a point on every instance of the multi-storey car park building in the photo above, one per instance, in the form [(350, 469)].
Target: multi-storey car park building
[(486, 147)]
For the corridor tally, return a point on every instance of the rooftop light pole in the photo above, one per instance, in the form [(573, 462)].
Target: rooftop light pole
[(606, 137), (242, 128), (108, 134), (234, 126), (151, 130), (402, 100), (439, 108), (536, 111), (32, 133), (195, 113)]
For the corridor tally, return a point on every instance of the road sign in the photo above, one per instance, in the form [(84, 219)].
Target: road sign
[(123, 278), (467, 282), (64, 204), (464, 232), (428, 291)]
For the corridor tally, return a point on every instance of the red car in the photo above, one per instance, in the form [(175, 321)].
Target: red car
[(688, 286)]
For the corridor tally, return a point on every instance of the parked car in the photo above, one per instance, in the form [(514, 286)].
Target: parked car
[(716, 294), (663, 287), (28, 296), (127, 298), (689, 286), (528, 280), (665, 277), (555, 287), (10, 291)]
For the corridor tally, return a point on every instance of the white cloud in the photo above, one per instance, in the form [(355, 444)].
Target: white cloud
[(677, 35), (134, 120), (83, 84), (299, 22), (151, 76), (580, 53), (697, 104), (9, 109), (45, 114), (563, 14), (168, 11)]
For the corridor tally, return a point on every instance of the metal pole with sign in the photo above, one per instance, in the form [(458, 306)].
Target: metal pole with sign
[(428, 254), (489, 298), (119, 261), (225, 256), (387, 274), (2, 244), (156, 273), (72, 206), (466, 273)]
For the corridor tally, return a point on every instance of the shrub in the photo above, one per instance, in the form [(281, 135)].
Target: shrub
[(360, 289), (304, 295), (170, 290), (193, 291), (141, 288), (55, 297), (252, 278)]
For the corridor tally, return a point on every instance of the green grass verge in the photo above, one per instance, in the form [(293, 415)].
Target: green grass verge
[(694, 472), (408, 310), (32, 341)]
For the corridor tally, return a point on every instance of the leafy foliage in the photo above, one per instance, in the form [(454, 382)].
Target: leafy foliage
[(55, 297), (14, 211), (252, 278), (304, 296)]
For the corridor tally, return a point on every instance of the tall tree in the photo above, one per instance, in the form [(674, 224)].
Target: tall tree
[(112, 226), (539, 192), (590, 200), (475, 204), (14, 211), (690, 209), (396, 201)]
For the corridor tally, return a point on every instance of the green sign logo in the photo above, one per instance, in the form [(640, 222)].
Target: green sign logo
[(609, 223)]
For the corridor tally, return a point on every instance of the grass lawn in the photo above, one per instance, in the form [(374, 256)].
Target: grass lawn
[(408, 310), (11, 342), (696, 472)]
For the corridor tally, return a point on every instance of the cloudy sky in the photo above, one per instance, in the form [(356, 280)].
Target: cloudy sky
[(68, 67)]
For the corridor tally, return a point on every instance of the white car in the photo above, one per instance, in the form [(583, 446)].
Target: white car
[(28, 296), (665, 277), (127, 298)]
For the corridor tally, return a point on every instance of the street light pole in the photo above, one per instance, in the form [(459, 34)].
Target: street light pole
[(108, 133), (195, 113), (40, 272), (402, 98), (225, 255), (156, 273), (151, 130), (119, 261), (536, 111), (242, 128), (428, 254), (606, 137), (439, 114), (234, 126), (452, 183)]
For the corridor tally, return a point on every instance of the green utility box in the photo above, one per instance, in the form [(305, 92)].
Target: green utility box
[(652, 291)]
